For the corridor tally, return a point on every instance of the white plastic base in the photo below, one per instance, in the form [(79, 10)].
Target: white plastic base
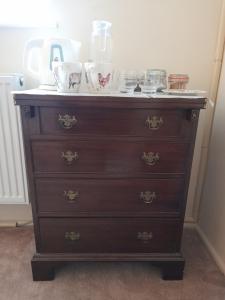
[(48, 87)]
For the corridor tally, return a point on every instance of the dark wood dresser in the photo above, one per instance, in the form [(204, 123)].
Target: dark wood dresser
[(108, 177)]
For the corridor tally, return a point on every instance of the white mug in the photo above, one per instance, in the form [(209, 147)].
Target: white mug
[(99, 77), (67, 76)]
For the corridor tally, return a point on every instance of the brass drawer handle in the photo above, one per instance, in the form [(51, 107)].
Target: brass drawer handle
[(67, 121), (144, 236), (72, 236), (148, 197), (71, 195), (154, 122), (70, 156), (150, 158)]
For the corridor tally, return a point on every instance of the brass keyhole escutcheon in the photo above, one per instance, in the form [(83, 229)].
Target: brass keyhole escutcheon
[(144, 236), (72, 236), (154, 122), (150, 158), (66, 121), (70, 156), (148, 197)]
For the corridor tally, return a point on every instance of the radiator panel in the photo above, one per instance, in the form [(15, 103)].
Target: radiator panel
[(13, 182)]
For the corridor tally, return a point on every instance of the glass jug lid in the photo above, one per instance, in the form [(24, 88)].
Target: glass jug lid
[(101, 27)]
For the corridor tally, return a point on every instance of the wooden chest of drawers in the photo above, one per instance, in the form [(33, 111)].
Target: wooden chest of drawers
[(108, 177)]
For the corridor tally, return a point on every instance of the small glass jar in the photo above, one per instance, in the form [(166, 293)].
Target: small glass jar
[(155, 81), (128, 81), (178, 81)]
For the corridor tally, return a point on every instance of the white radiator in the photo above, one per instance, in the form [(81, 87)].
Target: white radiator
[(13, 183)]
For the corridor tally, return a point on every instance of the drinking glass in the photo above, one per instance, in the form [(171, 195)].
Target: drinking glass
[(155, 81), (128, 81)]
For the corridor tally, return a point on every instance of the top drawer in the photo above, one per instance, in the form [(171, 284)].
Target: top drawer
[(130, 122)]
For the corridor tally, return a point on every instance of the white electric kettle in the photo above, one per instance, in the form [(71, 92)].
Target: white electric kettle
[(39, 54)]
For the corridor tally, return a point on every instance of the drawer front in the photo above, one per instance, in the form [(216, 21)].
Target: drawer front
[(114, 157), (132, 122), (73, 197), (108, 235)]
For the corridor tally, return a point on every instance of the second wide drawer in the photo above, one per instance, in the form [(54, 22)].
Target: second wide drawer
[(111, 157), (74, 197)]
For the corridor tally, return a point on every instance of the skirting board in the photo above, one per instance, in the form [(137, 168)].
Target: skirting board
[(8, 224), (16, 223), (220, 263), (189, 220)]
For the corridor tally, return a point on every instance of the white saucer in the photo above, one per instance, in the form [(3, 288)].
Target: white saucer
[(184, 92)]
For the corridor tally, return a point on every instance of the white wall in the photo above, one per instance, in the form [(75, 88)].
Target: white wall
[(178, 35), (212, 212)]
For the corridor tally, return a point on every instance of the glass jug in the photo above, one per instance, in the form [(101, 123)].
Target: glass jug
[(101, 42)]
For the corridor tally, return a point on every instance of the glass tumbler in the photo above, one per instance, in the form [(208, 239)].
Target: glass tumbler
[(128, 81), (155, 81)]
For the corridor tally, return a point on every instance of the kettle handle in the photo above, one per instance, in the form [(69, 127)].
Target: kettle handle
[(29, 47)]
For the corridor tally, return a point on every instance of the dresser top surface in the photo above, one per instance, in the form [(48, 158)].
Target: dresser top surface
[(37, 97)]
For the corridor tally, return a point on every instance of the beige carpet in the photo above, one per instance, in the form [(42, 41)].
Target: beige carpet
[(106, 281)]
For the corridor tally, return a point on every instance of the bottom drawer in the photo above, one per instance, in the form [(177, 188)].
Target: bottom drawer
[(108, 235)]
